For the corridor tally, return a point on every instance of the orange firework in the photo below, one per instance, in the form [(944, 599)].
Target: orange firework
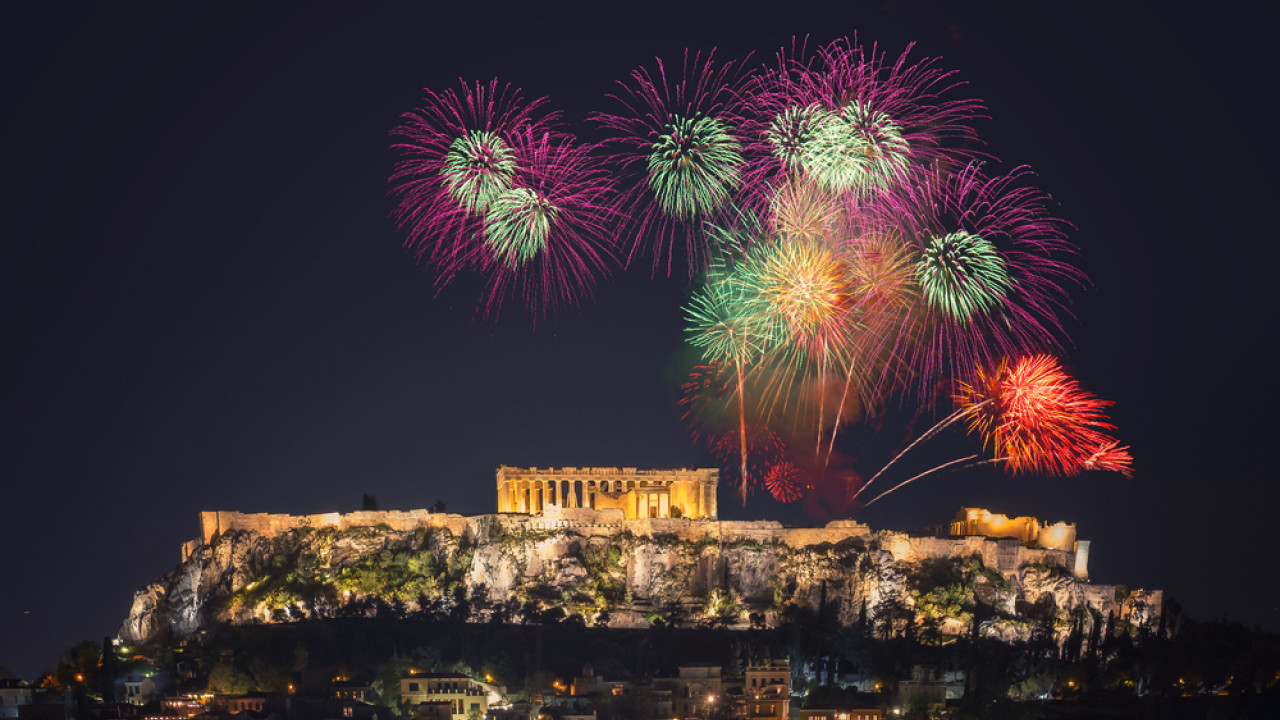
[(1038, 419)]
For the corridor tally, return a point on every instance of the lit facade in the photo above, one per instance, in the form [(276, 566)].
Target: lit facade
[(463, 694), (638, 494), (767, 690)]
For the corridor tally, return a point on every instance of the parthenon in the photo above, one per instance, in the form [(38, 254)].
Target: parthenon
[(638, 493)]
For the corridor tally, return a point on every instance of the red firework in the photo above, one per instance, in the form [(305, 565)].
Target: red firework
[(785, 482), (764, 448), (1039, 420)]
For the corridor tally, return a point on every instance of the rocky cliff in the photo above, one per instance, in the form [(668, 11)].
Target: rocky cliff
[(630, 573)]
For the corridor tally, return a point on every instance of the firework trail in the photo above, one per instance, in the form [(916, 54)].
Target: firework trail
[(678, 139), (1036, 419), (718, 323)]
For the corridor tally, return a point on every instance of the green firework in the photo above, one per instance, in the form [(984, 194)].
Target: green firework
[(963, 275), (855, 149), (517, 223), (477, 168), (693, 166), (885, 152), (794, 131), (719, 320)]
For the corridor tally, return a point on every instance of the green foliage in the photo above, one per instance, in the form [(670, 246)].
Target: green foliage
[(955, 601), (401, 576), (720, 608)]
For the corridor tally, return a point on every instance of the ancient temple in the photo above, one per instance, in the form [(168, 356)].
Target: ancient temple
[(638, 493)]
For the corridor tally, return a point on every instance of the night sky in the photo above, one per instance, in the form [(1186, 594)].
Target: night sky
[(207, 307)]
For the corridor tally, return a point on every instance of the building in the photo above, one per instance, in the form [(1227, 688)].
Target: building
[(767, 690), (351, 691), (14, 694), (1026, 530), (840, 714), (139, 689), (464, 695), (695, 692), (680, 493), (925, 686), (232, 704), (435, 710)]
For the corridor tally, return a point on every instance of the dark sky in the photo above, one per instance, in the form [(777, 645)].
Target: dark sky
[(207, 308)]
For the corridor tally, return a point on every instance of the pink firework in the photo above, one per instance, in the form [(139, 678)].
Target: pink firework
[(487, 187), (547, 239), (852, 120), (678, 142), (991, 267), (455, 156)]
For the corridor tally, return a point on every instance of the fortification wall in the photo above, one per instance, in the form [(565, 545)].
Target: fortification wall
[(215, 523), (582, 521), (1029, 530)]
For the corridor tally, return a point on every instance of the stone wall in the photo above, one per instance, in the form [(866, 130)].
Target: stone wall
[(215, 523)]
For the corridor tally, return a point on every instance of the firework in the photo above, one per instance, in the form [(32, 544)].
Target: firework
[(802, 210), (1037, 419), (704, 395), (693, 167), (962, 275), (720, 325), (477, 167), (455, 158), (785, 482), (803, 292), (546, 240), (991, 266), (517, 223), (853, 121), (1110, 457), (764, 447), (678, 139)]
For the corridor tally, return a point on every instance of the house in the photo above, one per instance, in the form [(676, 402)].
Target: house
[(464, 695), (840, 714), (767, 690), (695, 691), (13, 695)]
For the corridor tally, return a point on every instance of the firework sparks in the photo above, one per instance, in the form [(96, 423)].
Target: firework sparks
[(694, 166), (962, 275), (545, 240), (678, 140), (854, 121), (477, 167), (785, 482), (455, 157), (1040, 420)]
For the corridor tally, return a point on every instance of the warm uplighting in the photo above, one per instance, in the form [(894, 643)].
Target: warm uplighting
[(488, 678)]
